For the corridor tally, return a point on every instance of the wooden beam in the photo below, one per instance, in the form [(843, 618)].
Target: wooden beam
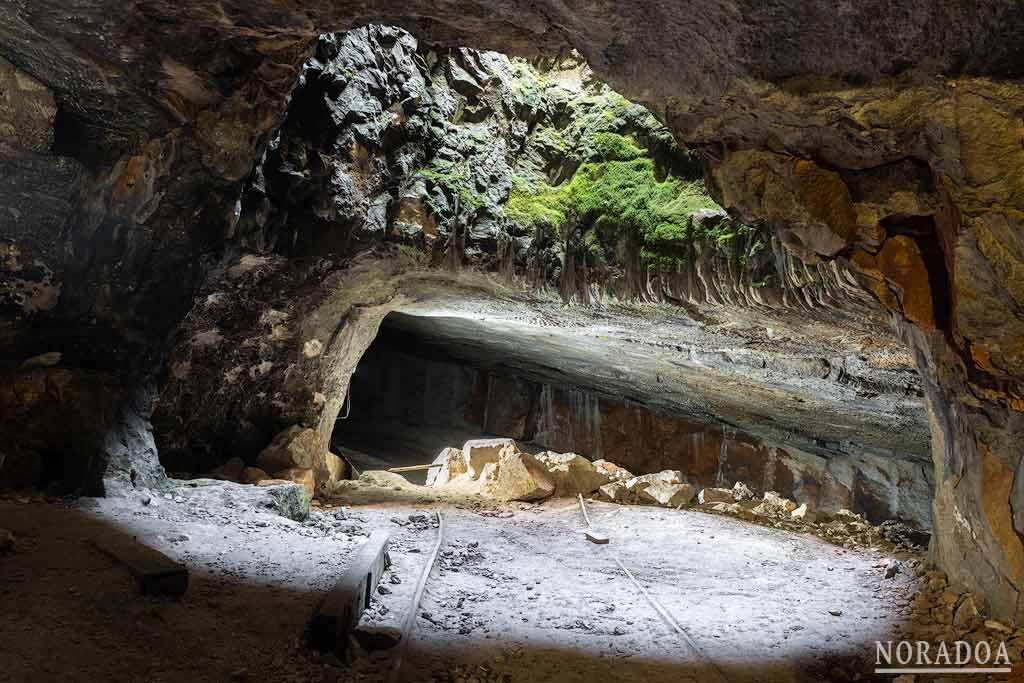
[(414, 468), (336, 617), (155, 573)]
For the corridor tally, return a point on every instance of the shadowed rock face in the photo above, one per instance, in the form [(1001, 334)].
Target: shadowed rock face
[(885, 137)]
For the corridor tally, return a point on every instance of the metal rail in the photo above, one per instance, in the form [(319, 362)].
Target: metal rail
[(410, 620), (662, 612)]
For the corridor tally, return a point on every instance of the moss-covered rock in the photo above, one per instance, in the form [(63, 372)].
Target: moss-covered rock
[(291, 501)]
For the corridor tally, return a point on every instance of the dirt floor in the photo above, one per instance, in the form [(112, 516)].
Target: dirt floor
[(518, 595)]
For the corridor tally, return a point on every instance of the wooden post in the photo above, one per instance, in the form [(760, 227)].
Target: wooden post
[(338, 614)]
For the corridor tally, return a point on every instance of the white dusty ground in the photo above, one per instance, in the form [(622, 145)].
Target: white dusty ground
[(519, 594)]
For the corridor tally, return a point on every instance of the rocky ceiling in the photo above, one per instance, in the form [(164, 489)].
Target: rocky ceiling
[(884, 137)]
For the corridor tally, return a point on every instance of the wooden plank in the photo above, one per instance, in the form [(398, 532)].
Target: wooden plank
[(414, 468), (336, 617), (155, 573)]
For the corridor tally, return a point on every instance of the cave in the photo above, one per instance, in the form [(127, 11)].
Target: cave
[(498, 342)]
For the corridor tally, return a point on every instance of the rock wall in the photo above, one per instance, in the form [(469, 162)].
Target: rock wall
[(806, 116), (396, 390)]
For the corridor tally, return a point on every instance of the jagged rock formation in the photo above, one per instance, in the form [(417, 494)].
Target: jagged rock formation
[(883, 137), (440, 152)]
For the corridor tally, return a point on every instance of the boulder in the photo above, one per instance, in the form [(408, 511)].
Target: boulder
[(573, 474), (966, 611), (229, 471), (294, 447), (290, 501), (734, 509), (303, 476), (804, 513), (667, 495), (614, 472), (451, 464), (775, 503), (335, 467), (637, 484), (385, 479), (615, 491), (521, 477), (741, 491), (711, 495), (479, 452), (251, 475)]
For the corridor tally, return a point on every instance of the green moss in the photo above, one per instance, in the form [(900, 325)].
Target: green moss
[(615, 147), (537, 207), (622, 196)]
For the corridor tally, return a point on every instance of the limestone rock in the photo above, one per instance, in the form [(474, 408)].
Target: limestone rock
[(303, 476), (741, 491), (804, 513), (229, 471), (294, 447), (291, 501), (521, 477), (667, 495), (775, 503), (251, 475), (613, 471), (637, 484), (573, 474), (385, 479), (711, 495), (616, 491), (966, 611), (451, 464), (335, 467), (479, 452)]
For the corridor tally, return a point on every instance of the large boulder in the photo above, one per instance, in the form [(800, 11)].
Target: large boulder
[(294, 447), (573, 474), (666, 494), (521, 477), (479, 452), (451, 464)]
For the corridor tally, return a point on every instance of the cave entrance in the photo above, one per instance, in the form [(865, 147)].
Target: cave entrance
[(609, 388)]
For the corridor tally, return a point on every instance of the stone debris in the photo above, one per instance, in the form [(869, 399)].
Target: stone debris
[(615, 492), (294, 447), (521, 477), (774, 503), (666, 494), (573, 474), (711, 495), (451, 465), (741, 491), (614, 472), (804, 513), (479, 452)]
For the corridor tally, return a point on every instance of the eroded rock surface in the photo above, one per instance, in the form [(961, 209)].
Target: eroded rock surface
[(884, 138)]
